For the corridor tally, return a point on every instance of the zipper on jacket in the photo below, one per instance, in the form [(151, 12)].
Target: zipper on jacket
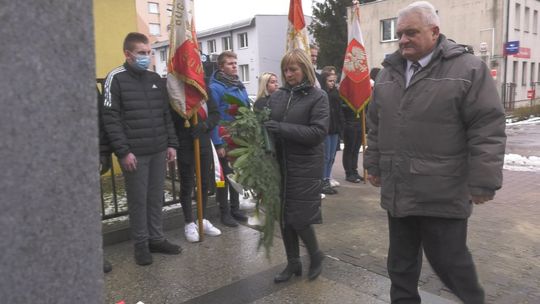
[(288, 104)]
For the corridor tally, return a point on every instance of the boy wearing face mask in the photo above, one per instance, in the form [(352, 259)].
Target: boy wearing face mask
[(140, 131)]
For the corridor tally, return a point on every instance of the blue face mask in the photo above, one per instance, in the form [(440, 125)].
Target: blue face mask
[(142, 62)]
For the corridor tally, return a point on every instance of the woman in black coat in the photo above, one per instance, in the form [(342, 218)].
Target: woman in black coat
[(299, 121)]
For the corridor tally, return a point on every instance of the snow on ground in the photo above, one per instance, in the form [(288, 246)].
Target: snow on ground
[(515, 162), (530, 121)]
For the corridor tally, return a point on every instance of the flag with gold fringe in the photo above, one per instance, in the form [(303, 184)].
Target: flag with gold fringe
[(185, 78), (297, 36), (355, 86)]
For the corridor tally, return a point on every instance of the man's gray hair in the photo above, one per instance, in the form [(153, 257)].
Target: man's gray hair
[(425, 9)]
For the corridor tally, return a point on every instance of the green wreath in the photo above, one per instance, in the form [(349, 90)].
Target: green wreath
[(256, 167)]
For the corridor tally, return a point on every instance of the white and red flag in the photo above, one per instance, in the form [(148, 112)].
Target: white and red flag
[(297, 36), (185, 78), (355, 87)]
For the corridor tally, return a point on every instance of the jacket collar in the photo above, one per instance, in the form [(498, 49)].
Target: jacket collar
[(444, 49), (133, 71)]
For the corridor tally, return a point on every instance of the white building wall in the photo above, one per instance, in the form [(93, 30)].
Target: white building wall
[(470, 22), (159, 63), (524, 72), (272, 43)]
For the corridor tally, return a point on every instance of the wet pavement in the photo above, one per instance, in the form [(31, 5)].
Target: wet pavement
[(504, 238), (523, 139)]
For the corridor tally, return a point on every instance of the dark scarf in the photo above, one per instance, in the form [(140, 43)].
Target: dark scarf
[(229, 80), (303, 85)]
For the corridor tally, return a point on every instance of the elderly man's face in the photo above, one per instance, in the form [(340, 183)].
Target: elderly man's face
[(416, 39)]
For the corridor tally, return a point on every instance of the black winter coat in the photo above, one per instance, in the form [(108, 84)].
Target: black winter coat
[(136, 112), (184, 134), (337, 120), (303, 115)]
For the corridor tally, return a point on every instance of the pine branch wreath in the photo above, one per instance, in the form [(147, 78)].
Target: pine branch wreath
[(256, 167)]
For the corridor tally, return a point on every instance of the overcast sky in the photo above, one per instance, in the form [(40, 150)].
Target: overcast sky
[(212, 13)]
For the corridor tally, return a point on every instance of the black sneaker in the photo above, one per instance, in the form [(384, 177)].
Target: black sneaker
[(142, 255), (164, 247), (239, 215), (360, 178), (227, 220), (352, 178), (107, 266), (327, 189)]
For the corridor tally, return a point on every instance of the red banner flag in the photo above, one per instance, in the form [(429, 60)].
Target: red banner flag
[(354, 87), (297, 36), (185, 78)]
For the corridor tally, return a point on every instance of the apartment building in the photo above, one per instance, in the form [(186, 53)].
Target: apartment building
[(153, 18), (259, 43), (487, 25), (114, 19)]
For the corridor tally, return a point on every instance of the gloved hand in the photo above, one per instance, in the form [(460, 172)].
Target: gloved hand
[(272, 126), (199, 129)]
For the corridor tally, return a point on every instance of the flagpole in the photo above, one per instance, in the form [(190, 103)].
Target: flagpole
[(197, 154), (364, 141)]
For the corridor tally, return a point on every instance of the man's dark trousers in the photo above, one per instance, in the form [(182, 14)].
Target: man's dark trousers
[(352, 139), (186, 167), (144, 191), (444, 242)]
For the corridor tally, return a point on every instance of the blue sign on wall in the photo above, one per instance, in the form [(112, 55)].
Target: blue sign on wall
[(511, 47)]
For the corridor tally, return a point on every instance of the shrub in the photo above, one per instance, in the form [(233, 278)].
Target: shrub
[(524, 113)]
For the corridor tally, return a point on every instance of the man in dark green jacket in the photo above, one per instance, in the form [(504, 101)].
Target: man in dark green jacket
[(435, 146)]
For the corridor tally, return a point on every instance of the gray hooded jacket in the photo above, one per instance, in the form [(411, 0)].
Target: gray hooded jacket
[(439, 140)]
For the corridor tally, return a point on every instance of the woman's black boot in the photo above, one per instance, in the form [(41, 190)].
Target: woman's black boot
[(292, 248), (293, 267), (316, 256), (315, 266)]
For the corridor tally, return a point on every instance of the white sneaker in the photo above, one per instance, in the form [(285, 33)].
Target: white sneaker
[(192, 232), (334, 183), (247, 203), (209, 229), (323, 195)]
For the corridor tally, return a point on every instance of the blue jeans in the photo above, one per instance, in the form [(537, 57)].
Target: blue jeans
[(330, 147)]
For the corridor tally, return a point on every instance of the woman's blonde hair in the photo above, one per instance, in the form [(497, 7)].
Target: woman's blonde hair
[(298, 56), (263, 82)]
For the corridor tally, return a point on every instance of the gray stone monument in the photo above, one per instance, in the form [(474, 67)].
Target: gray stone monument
[(50, 228)]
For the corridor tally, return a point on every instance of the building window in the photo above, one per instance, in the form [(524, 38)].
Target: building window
[(524, 73), (199, 45), (211, 46), (514, 72), (526, 18), (226, 42), (169, 10), (243, 40), (535, 22), (538, 74), (517, 16), (155, 29), (388, 30), (163, 55), (153, 8), (244, 72), (533, 67)]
